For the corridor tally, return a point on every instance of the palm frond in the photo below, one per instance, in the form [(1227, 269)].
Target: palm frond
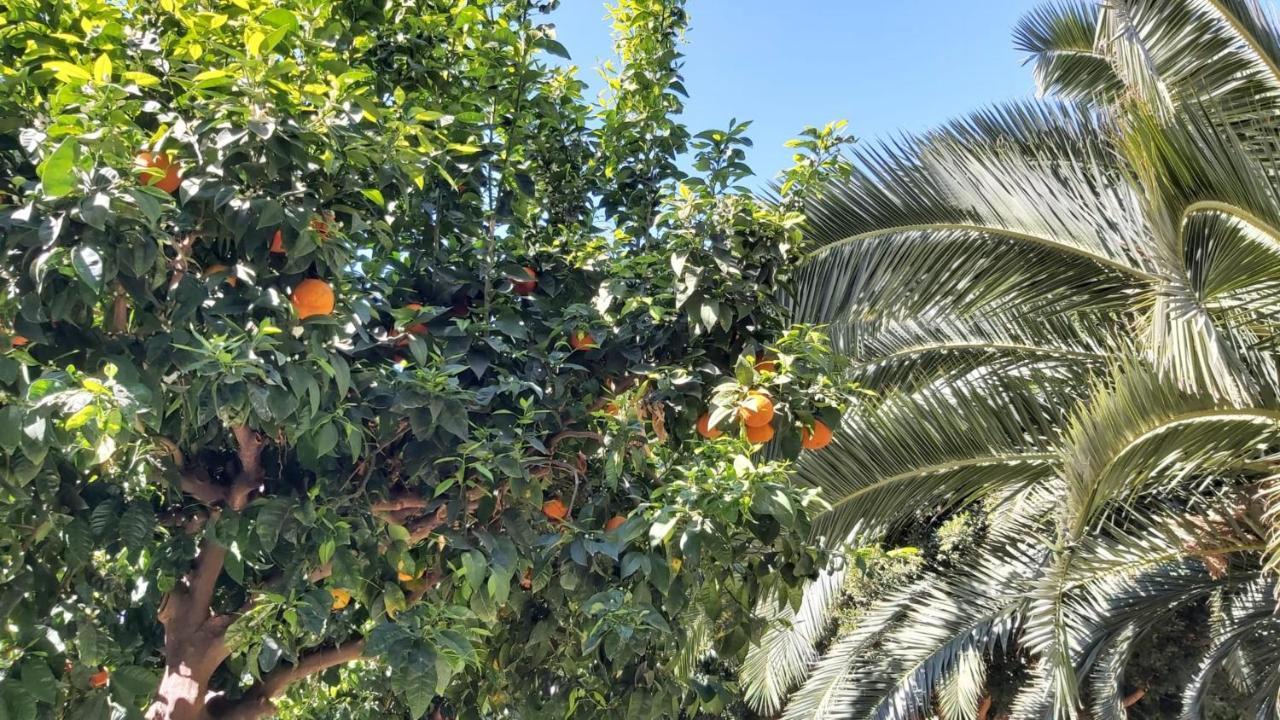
[(788, 648), (1242, 615), (1045, 171), (1107, 677), (940, 447), (1059, 37), (825, 695), (961, 694), (905, 355), (1170, 53), (955, 618), (1139, 426)]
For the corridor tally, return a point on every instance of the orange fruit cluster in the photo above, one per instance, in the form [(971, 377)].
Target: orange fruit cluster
[(756, 414)]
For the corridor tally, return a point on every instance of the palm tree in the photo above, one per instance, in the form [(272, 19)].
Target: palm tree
[(1069, 312)]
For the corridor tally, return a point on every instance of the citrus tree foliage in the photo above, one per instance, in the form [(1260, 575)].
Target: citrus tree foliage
[(346, 343)]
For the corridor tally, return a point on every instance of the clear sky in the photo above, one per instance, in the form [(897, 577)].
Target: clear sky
[(885, 66)]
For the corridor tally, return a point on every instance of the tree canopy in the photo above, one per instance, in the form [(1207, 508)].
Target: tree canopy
[(351, 332)]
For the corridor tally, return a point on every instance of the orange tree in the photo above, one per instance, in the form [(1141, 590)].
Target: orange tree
[(344, 344)]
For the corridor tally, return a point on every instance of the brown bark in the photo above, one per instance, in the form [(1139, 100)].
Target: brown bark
[(1133, 697), (120, 310), (257, 702), (984, 707), (195, 643)]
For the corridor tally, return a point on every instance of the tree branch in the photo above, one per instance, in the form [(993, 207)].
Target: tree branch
[(984, 707), (1134, 697), (423, 529), (120, 310), (250, 445), (402, 502), (203, 579), (567, 434), (207, 492), (257, 703)]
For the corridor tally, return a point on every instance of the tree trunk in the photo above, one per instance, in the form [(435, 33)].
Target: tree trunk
[(192, 654)]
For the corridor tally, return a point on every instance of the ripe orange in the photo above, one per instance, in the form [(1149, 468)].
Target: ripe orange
[(614, 523), (403, 576), (555, 510), (18, 340), (313, 297), (767, 365), (277, 243), (582, 340), (415, 328), (216, 268), (99, 679), (526, 287), (705, 429), (341, 598), (818, 439), (158, 171), (759, 434), (756, 410)]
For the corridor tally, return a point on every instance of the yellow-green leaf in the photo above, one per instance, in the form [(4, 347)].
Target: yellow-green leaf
[(253, 41), (102, 69), (85, 414), (140, 78), (68, 72)]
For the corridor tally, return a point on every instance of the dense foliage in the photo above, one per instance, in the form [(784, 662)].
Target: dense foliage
[(351, 360), (1068, 312)]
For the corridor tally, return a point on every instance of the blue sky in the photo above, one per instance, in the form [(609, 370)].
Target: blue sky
[(886, 67)]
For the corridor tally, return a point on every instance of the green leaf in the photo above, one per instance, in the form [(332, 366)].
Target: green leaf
[(341, 374), (58, 171), (326, 439), (82, 416), (38, 680), (474, 568), (633, 561), (444, 673), (139, 682), (552, 46), (418, 696), (271, 517), (79, 543), (88, 265), (20, 704), (375, 195), (10, 427)]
